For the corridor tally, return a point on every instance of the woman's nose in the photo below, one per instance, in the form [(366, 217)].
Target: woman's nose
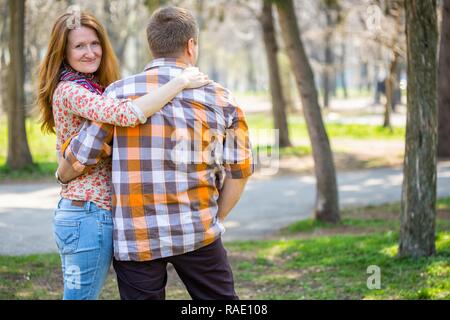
[(90, 52)]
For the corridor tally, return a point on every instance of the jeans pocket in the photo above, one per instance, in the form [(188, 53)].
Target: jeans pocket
[(107, 218), (67, 234)]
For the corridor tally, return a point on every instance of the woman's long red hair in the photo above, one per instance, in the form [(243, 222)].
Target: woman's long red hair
[(49, 69)]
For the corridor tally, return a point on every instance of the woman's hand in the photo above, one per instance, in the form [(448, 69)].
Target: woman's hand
[(193, 78), (153, 101)]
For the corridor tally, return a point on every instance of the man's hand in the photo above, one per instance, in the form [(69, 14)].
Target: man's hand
[(229, 195), (192, 78), (66, 172)]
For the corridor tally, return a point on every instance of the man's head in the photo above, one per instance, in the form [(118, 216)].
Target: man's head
[(172, 32)]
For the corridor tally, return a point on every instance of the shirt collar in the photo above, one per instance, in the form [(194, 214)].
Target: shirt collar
[(173, 62)]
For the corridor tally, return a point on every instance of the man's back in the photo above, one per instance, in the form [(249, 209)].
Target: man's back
[(167, 173)]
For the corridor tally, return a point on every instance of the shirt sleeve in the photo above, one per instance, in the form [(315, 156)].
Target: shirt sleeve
[(99, 108), (89, 145), (238, 158), (92, 143)]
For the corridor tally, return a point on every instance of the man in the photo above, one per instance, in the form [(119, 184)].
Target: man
[(175, 178)]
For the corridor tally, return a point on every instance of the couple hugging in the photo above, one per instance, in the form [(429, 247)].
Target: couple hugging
[(150, 165)]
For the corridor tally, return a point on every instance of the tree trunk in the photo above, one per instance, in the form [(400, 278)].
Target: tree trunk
[(3, 64), (391, 80), (328, 61), (3, 82), (251, 70), (444, 83), (418, 213), (201, 22), (19, 154), (327, 203), (342, 69), (389, 84), (276, 90), (363, 75)]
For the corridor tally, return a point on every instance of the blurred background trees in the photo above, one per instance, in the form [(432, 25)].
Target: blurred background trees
[(345, 50), (313, 60)]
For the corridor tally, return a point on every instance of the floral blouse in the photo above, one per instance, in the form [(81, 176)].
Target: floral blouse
[(72, 104)]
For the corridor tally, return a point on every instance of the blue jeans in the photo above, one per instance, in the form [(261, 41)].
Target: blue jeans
[(84, 239)]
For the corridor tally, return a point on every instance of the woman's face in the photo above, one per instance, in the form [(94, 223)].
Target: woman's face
[(84, 51)]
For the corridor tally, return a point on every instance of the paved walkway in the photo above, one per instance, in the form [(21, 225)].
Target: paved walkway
[(26, 210)]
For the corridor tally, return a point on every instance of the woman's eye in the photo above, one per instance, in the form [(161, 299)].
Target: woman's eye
[(79, 46)]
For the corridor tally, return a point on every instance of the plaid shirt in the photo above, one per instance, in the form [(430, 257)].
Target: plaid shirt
[(167, 173)]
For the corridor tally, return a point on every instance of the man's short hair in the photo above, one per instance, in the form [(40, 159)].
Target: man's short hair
[(169, 30)]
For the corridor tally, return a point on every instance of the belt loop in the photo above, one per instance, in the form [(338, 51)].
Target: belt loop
[(58, 206)]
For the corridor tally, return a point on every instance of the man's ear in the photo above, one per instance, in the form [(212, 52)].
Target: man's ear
[(191, 47)]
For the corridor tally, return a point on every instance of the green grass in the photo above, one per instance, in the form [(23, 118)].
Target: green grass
[(43, 170), (298, 130), (306, 261), (351, 93), (42, 148), (29, 277), (335, 267), (310, 225), (380, 218), (284, 151), (443, 204)]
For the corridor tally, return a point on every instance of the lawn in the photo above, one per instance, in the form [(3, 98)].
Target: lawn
[(298, 130), (42, 148), (307, 260)]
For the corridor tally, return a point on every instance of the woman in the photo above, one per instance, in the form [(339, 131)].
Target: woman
[(78, 65)]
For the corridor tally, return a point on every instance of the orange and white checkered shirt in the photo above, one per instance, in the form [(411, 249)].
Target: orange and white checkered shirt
[(167, 173)]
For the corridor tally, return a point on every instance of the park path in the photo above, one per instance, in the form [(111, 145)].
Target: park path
[(268, 204)]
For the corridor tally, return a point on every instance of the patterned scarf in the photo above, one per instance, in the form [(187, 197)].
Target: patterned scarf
[(86, 80)]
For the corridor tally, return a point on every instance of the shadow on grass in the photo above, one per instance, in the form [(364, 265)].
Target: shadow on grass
[(336, 268)]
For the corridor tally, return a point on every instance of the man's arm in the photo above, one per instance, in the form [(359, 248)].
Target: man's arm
[(66, 171), (84, 150), (229, 195), (237, 161)]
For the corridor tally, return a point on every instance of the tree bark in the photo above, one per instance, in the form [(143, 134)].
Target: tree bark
[(391, 80), (418, 212), (4, 31), (342, 69), (444, 83), (201, 22), (276, 90), (19, 154), (327, 204), (251, 70), (328, 60), (390, 85)]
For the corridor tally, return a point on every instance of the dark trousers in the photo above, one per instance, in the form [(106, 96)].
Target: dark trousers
[(205, 272)]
